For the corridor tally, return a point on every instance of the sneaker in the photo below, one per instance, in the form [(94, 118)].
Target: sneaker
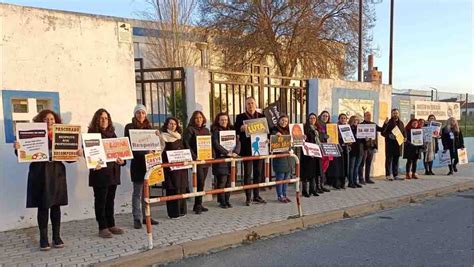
[(259, 200), (105, 233), (389, 178), (282, 200), (287, 200), (116, 231), (44, 245), (58, 243), (228, 205), (153, 221), (174, 218), (182, 215), (414, 176), (398, 178), (137, 224)]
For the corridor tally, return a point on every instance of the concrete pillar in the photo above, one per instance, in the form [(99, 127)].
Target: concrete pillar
[(313, 91)]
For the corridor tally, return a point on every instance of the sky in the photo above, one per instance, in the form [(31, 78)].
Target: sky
[(433, 39)]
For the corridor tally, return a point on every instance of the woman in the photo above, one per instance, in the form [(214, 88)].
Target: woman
[(431, 149), (176, 181), (411, 152), (222, 170), (138, 167), (452, 140), (47, 187), (197, 127), (311, 167), (104, 181), (323, 119), (282, 166), (355, 155), (338, 168)]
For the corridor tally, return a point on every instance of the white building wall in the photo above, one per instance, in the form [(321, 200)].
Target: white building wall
[(80, 57)]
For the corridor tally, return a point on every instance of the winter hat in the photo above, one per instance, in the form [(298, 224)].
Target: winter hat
[(139, 107)]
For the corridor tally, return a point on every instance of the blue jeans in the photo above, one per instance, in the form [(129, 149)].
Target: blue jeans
[(354, 164), (281, 188)]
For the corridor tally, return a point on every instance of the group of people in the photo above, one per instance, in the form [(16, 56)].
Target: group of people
[(47, 189)]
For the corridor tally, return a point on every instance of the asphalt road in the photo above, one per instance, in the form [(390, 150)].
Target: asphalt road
[(437, 232)]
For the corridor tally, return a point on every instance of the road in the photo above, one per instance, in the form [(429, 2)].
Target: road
[(437, 232)]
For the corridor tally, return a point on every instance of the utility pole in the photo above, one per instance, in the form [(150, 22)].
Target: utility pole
[(359, 68), (390, 64)]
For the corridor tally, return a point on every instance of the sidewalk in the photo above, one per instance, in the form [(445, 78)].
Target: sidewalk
[(84, 247)]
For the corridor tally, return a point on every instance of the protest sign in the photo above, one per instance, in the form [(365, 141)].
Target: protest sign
[(436, 128), (180, 155), (259, 143), (228, 140), (330, 150), (204, 147), (144, 140), (346, 133), (280, 143), (65, 142), (441, 110), (151, 160), (366, 131), (256, 126), (417, 137), (427, 134), (33, 140), (297, 134), (312, 150), (93, 150), (272, 113), (398, 135), (462, 155), (333, 133), (444, 157), (117, 148)]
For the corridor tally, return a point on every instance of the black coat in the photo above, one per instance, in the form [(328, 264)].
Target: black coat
[(410, 151), (138, 165), (177, 179), (370, 143), (391, 145), (357, 148), (282, 165), (219, 152), (245, 149), (311, 167), (449, 143), (109, 175), (189, 138)]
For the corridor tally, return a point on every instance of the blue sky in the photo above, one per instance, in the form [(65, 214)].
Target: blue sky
[(433, 39)]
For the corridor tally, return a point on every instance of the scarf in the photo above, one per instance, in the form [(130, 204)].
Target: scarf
[(170, 137)]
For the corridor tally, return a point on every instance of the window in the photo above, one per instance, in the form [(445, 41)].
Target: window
[(20, 105)]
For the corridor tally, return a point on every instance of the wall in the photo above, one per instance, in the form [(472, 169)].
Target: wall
[(78, 56)]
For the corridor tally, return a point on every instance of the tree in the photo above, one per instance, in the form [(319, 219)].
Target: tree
[(314, 38)]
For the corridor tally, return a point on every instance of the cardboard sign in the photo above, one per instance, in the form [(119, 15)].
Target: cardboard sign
[(444, 158), (366, 131), (151, 160), (333, 133), (228, 140), (259, 143), (436, 128), (66, 142), (280, 143), (330, 150), (427, 134), (204, 147), (297, 134), (312, 150), (256, 126), (346, 133), (144, 140), (93, 150), (398, 135), (180, 155), (117, 148), (462, 155), (33, 139), (417, 137)]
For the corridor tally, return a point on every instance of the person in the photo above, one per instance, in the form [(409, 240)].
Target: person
[(282, 166), (176, 181), (355, 155), (323, 119), (104, 180), (47, 187), (197, 127), (452, 140), (138, 167), (255, 165), (392, 147), (432, 149), (222, 170), (370, 147), (411, 152), (338, 168)]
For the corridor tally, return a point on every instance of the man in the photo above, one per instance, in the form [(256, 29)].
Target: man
[(392, 148), (246, 150), (370, 147)]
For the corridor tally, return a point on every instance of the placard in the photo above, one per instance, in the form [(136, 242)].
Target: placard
[(93, 150), (444, 158), (65, 142), (228, 140), (330, 150), (272, 113), (256, 126), (436, 128), (398, 135), (117, 148), (259, 143), (297, 134), (333, 133), (33, 140), (417, 137), (366, 131), (280, 143), (157, 176), (441, 110), (144, 140), (383, 110), (427, 134), (346, 133), (462, 155), (180, 155), (204, 147), (312, 150)]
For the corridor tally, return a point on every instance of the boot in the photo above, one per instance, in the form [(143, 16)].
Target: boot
[(450, 170), (319, 189), (44, 243), (414, 176), (305, 189), (57, 242), (312, 188)]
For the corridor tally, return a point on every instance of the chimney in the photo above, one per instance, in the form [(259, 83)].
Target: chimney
[(371, 62)]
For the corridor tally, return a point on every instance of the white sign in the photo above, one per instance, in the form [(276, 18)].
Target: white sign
[(144, 140), (312, 150), (180, 155), (436, 128), (346, 133), (228, 140), (444, 158), (366, 131), (441, 110), (259, 143), (94, 150), (462, 155), (33, 139), (427, 134), (417, 137)]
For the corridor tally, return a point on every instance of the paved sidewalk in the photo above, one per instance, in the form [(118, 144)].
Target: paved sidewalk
[(84, 247)]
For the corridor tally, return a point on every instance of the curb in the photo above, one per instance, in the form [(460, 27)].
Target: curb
[(202, 246)]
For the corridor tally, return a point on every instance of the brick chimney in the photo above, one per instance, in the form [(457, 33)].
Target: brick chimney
[(372, 74)]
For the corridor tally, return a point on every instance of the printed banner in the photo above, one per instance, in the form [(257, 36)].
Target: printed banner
[(204, 147), (259, 143), (436, 128), (280, 143), (346, 133), (228, 140), (330, 150), (333, 133), (398, 135), (256, 126), (180, 155), (366, 131), (151, 160), (93, 150), (444, 158), (33, 140), (427, 134), (462, 155), (144, 140), (405, 109), (117, 148), (272, 113), (417, 137), (312, 150), (65, 142), (297, 134), (442, 110)]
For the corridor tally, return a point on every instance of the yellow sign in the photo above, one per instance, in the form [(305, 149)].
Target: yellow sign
[(398, 134), (204, 147), (383, 110), (333, 133), (157, 176), (256, 126)]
